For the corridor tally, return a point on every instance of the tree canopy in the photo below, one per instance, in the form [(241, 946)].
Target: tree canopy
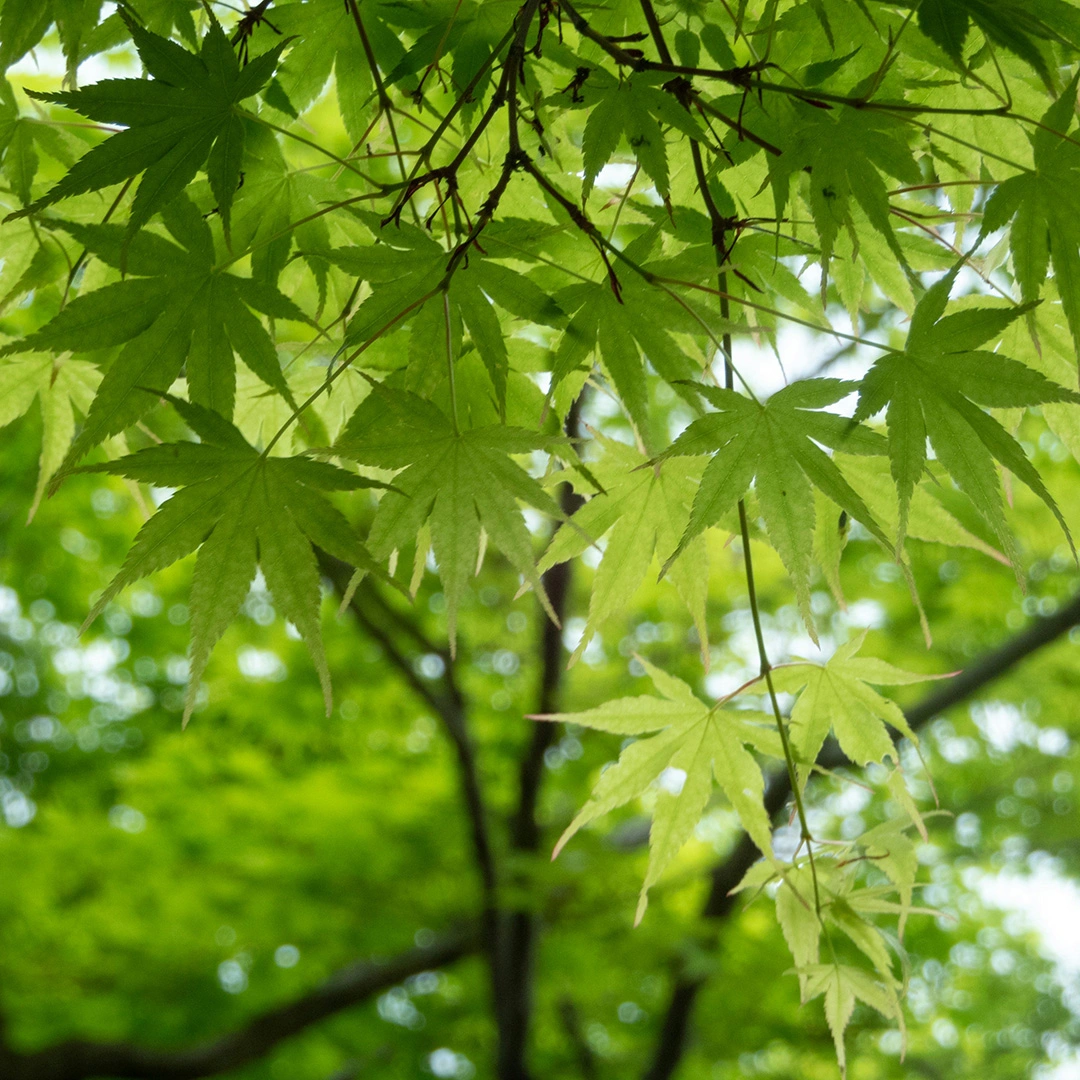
[(676, 403)]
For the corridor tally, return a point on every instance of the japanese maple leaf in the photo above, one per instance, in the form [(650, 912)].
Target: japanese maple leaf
[(645, 511), (185, 118), (775, 446), (635, 109), (847, 152), (839, 696), (694, 743), (462, 484), (61, 387), (842, 985), (241, 510), (175, 307), (938, 387), (407, 273), (1024, 27), (628, 330), (1044, 205)]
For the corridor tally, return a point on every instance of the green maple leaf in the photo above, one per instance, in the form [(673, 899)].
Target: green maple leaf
[(1024, 27), (775, 445), (327, 43), (174, 307), (241, 510), (936, 388), (185, 118), (407, 272), (462, 484), (847, 152), (813, 897), (635, 109), (702, 741), (841, 986), (60, 388), (628, 330), (839, 696), (842, 906), (1044, 205), (645, 510)]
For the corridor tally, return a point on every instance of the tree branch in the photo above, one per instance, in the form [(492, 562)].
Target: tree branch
[(83, 1060), (583, 1052), (449, 706), (518, 939), (673, 1034)]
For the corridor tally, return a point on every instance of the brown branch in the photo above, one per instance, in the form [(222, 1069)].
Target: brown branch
[(386, 107), (449, 706), (583, 1052), (519, 928), (83, 1060), (720, 903)]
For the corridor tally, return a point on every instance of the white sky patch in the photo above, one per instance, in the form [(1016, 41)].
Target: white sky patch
[(1047, 901)]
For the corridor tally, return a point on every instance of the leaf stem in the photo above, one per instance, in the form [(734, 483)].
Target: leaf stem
[(450, 360), (766, 672)]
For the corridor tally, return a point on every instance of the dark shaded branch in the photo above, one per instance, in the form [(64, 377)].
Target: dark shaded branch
[(524, 831), (518, 938), (449, 706), (656, 31), (82, 1060), (386, 107), (719, 904), (583, 1052)]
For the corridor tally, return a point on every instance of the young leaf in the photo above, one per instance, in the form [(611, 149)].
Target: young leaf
[(776, 445), (842, 985), (694, 739), (839, 696), (645, 510)]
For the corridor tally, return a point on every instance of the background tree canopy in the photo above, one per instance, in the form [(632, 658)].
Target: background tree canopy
[(442, 434)]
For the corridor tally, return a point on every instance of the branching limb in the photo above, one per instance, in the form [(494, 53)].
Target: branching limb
[(583, 1052), (449, 706), (518, 939), (725, 876), (83, 1060)]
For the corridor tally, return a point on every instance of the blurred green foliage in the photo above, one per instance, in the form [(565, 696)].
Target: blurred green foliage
[(163, 885)]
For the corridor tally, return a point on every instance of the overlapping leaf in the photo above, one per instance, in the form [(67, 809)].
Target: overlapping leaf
[(695, 742), (1024, 27), (174, 307), (184, 119), (463, 484), (633, 109), (408, 277), (1044, 206), (937, 388), (775, 446), (629, 330), (61, 386), (847, 153), (644, 509), (838, 696), (242, 510)]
